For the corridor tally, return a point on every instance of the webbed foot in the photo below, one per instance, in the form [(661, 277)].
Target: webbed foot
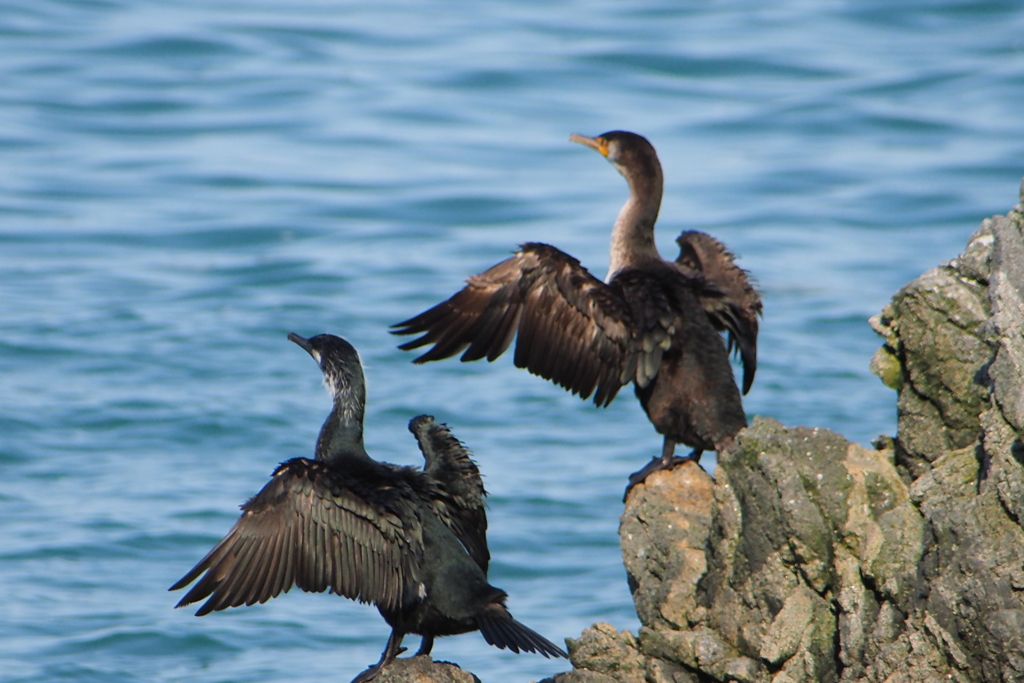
[(393, 649), (665, 462)]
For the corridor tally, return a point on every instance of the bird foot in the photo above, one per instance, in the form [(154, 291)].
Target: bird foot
[(368, 675), (374, 670), (658, 463)]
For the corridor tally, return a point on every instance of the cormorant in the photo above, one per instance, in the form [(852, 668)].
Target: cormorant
[(653, 322), (413, 543)]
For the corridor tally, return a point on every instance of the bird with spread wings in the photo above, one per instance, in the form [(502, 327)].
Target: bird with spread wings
[(653, 322)]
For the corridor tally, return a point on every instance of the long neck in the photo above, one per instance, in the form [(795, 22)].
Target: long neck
[(633, 233), (341, 437)]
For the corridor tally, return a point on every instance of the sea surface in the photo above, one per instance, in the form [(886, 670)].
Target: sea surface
[(182, 184)]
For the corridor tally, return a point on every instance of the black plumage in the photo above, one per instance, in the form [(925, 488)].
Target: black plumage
[(653, 322), (412, 542)]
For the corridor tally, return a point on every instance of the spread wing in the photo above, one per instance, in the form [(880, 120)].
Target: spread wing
[(737, 305), (307, 528), (573, 329), (450, 463)]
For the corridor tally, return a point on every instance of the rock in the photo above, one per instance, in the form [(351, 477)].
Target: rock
[(604, 650), (423, 669), (810, 558), (1006, 297), (663, 544), (580, 676)]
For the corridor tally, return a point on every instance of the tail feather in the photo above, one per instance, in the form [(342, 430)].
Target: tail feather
[(502, 631), (495, 635)]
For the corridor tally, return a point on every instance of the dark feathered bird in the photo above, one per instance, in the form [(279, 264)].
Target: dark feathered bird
[(653, 322), (412, 542)]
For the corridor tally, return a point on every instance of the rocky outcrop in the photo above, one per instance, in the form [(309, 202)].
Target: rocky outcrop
[(810, 558)]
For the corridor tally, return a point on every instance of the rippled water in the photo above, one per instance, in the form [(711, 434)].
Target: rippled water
[(183, 185)]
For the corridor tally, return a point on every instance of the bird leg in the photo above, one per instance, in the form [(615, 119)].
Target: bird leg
[(425, 646), (392, 650), (667, 461)]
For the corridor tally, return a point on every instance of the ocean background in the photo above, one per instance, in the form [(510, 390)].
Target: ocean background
[(182, 184)]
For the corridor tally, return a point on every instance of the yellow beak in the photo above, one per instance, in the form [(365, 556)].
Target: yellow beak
[(600, 144)]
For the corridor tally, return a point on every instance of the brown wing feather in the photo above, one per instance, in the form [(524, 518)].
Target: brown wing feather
[(573, 329), (736, 305), (308, 528), (450, 463), (658, 296)]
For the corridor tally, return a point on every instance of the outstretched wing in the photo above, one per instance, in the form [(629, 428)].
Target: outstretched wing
[(307, 528), (573, 329), (738, 306), (450, 463)]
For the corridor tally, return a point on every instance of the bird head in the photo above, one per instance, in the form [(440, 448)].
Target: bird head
[(631, 154), (340, 363)]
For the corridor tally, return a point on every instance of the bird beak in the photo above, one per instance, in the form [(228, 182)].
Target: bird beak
[(301, 341), (599, 144), (304, 343)]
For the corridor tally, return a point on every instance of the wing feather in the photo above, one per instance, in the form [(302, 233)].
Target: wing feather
[(318, 580), (505, 332), (348, 581), (485, 330), (279, 571), (732, 302), (246, 559), (309, 528), (653, 296), (259, 572), (449, 462), (571, 326)]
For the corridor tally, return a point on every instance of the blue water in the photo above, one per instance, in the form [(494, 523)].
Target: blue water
[(183, 184)]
